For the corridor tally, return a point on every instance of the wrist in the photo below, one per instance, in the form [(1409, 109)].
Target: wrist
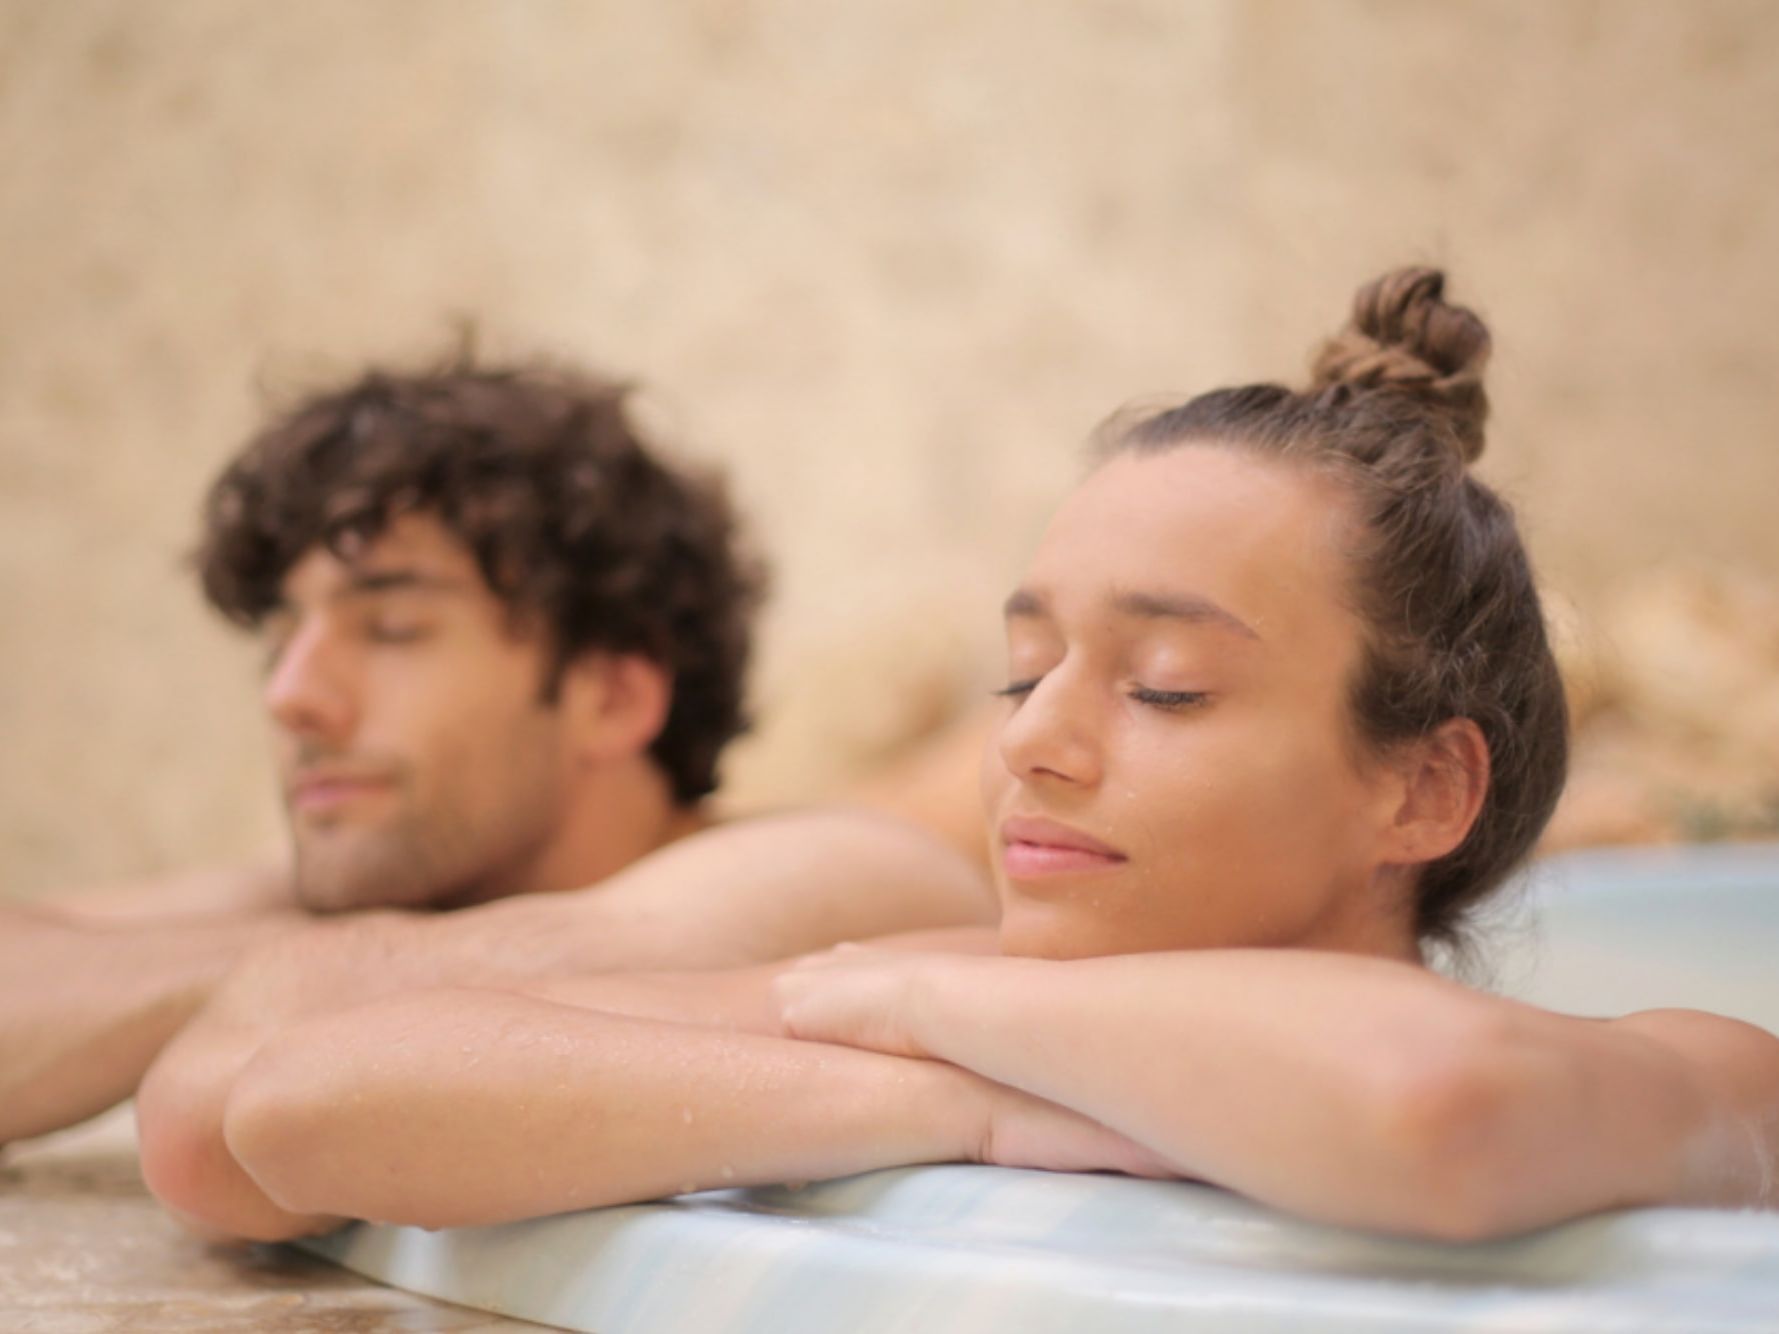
[(941, 1001), (967, 1104), (927, 993)]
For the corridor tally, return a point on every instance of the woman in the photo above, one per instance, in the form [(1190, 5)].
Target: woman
[(1280, 708)]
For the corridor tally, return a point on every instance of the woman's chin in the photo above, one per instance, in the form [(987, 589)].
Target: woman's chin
[(1040, 930)]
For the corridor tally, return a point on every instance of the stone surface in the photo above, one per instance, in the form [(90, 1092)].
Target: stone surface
[(85, 1250)]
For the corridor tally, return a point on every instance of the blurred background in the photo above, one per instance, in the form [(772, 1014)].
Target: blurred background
[(888, 262)]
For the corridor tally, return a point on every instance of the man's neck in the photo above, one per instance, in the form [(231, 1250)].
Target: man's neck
[(614, 820)]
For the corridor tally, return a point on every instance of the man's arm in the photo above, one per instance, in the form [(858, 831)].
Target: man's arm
[(756, 890), (456, 1108), (936, 785), (192, 1098), (735, 895), (1352, 1090), (250, 889), (460, 1108), (84, 1008)]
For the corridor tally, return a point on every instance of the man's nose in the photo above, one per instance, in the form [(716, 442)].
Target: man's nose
[(308, 691), (1054, 733)]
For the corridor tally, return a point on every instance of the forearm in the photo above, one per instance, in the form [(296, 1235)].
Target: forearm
[(457, 1108), (1346, 1089), (93, 1007), (185, 1160), (734, 999), (180, 1107), (328, 966), (244, 890)]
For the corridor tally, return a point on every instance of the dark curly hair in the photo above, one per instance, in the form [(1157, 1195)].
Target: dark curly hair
[(1394, 411), (541, 473)]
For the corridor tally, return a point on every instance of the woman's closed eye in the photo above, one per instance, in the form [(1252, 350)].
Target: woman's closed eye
[(1160, 699), (1168, 699)]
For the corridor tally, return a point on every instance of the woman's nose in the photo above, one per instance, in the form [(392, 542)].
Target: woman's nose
[(1054, 733)]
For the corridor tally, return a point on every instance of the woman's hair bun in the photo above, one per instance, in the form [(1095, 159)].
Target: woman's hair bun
[(1405, 337)]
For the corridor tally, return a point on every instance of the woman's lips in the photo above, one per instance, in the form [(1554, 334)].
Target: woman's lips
[(1036, 847)]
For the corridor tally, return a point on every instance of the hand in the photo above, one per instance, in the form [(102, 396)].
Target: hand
[(858, 997)]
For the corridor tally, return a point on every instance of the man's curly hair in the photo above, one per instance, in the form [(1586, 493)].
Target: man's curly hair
[(542, 475)]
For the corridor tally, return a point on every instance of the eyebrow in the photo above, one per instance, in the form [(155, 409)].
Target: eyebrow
[(1192, 608), (368, 583), (400, 580)]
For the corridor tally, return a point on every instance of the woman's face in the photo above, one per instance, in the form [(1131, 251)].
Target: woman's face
[(1175, 767)]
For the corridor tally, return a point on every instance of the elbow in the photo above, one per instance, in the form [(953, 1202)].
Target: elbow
[(172, 1153), (275, 1125), (330, 1126), (1444, 1135), (188, 1168)]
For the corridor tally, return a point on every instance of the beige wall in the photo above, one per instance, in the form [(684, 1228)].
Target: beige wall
[(888, 260)]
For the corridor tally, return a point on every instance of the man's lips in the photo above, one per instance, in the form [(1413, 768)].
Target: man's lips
[(323, 790), (1034, 847)]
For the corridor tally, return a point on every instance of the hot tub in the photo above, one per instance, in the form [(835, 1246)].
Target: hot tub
[(965, 1248)]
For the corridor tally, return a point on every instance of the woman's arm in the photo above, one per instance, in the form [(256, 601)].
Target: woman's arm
[(453, 1108), (1352, 1090)]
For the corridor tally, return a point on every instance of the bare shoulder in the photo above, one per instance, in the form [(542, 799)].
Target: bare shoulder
[(830, 826), (839, 856)]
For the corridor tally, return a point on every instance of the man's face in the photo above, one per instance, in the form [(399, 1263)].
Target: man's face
[(419, 762)]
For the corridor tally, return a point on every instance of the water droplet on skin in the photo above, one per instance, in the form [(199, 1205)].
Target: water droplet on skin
[(685, 1114), (728, 1172), (686, 1188)]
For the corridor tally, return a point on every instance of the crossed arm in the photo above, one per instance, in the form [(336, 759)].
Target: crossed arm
[(90, 996), (1351, 1090), (88, 1000), (1348, 1089), (755, 891)]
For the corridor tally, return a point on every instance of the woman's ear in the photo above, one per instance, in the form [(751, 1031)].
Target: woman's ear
[(1445, 776), (615, 704)]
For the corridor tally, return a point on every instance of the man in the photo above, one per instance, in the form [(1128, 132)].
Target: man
[(505, 649)]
